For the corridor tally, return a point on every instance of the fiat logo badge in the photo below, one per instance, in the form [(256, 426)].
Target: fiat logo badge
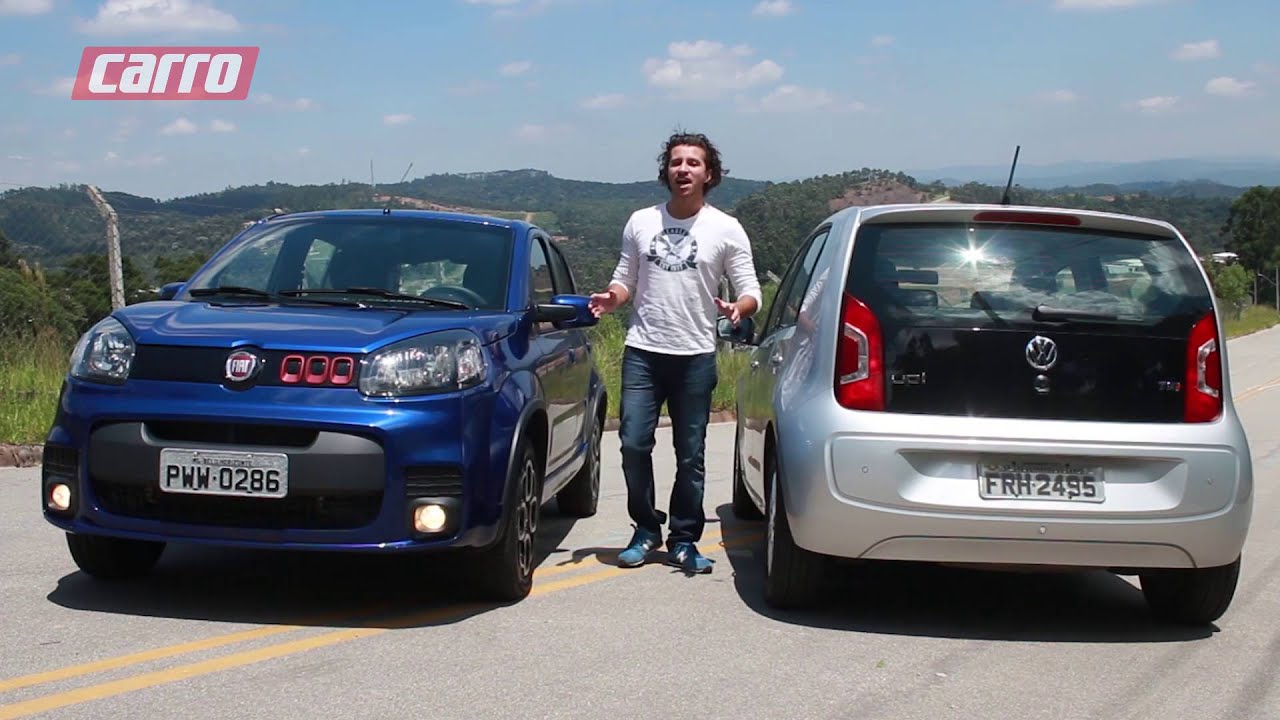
[(242, 366)]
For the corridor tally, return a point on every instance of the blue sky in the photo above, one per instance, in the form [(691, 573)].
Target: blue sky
[(587, 89)]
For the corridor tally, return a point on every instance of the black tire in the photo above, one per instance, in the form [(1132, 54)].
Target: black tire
[(108, 558), (1196, 596), (504, 570), (792, 574), (744, 508), (581, 497)]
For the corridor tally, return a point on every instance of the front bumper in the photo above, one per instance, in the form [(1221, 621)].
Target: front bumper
[(356, 467), (907, 488)]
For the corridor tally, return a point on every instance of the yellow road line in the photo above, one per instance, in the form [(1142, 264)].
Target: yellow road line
[(183, 672), (1257, 389)]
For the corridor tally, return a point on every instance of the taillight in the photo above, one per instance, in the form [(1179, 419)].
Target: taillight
[(859, 381), (1203, 387)]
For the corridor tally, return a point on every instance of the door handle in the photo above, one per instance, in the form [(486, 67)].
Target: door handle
[(755, 364), (775, 359), (573, 355)]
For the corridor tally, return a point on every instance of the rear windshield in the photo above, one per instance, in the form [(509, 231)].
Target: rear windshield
[(957, 274)]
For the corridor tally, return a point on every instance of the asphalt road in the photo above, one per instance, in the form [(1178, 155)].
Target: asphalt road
[(216, 634)]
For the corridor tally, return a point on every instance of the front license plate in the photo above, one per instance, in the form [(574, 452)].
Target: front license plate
[(216, 472), (1041, 481)]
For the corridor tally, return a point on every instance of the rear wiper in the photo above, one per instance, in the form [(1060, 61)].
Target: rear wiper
[(378, 292), (239, 290), (1045, 312)]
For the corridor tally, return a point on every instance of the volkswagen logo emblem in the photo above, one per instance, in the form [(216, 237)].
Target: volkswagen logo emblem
[(1042, 353), (242, 366)]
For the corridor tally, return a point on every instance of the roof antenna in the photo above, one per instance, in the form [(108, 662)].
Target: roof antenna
[(1009, 186)]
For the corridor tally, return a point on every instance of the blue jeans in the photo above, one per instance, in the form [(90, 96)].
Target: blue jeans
[(685, 384)]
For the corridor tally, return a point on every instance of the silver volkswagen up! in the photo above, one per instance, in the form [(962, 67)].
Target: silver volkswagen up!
[(998, 385)]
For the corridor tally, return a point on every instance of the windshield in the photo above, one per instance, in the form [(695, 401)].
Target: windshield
[(401, 259), (957, 274)]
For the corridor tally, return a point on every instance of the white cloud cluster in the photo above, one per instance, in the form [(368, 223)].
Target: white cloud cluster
[(397, 119), (118, 17), (706, 69), (1203, 50), (773, 8), (1101, 4), (1228, 87), (25, 7)]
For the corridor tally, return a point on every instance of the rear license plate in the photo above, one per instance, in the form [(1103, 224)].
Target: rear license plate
[(1040, 481), (217, 472)]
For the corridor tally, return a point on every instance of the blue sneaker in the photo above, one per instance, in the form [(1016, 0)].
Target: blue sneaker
[(642, 543), (685, 556)]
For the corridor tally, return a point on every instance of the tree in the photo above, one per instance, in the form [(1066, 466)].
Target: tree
[(1254, 227), (1232, 284), (84, 279), (8, 258)]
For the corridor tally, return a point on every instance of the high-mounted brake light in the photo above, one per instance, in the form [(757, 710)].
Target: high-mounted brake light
[(1203, 386), (859, 377), (1026, 218)]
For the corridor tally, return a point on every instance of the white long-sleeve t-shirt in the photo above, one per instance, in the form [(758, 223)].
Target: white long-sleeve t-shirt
[(672, 268)]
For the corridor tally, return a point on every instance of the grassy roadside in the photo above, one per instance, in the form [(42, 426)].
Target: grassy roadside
[(31, 373)]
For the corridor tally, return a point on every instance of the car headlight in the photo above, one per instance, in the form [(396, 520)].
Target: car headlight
[(436, 362), (104, 354)]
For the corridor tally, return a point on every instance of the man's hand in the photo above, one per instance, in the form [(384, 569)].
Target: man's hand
[(729, 310), (604, 302)]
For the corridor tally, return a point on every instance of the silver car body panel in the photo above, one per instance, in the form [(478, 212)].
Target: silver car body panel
[(883, 485)]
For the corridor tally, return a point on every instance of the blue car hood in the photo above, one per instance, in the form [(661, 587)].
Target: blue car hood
[(299, 327)]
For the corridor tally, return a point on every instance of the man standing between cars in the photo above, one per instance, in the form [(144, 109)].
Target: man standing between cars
[(674, 255)]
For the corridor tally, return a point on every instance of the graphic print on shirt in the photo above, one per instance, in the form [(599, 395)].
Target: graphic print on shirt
[(673, 250)]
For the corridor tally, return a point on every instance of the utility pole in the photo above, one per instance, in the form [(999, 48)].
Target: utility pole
[(114, 272)]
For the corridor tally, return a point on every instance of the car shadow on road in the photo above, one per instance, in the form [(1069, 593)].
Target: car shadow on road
[(306, 588), (926, 600)]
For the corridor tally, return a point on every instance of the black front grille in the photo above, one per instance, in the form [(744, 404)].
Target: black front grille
[(231, 433), (301, 511), (432, 481)]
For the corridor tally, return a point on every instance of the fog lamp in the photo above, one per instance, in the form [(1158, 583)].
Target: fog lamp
[(60, 497), (429, 518)]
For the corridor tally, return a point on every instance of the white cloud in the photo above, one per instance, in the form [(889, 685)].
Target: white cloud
[(25, 7), (147, 161), (10, 59), (270, 100), (533, 132), (1228, 87), (514, 69), (706, 69), (1157, 104), (882, 41), (796, 98), (111, 156), (1058, 97), (607, 101), (117, 17), (507, 9), (397, 119), (222, 126), (304, 151), (1101, 4), (494, 3), (17, 158), (61, 87), (773, 8), (1203, 50), (181, 126)]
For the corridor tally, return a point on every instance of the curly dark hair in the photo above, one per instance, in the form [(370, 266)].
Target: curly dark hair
[(715, 170)]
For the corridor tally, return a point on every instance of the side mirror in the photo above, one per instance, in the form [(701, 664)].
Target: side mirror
[(743, 334), (567, 311), (169, 291)]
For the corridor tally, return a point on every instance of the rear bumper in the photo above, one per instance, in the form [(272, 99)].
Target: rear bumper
[(895, 487), (356, 468)]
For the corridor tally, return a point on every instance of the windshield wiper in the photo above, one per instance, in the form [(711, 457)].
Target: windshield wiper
[(241, 291), (231, 290), (380, 293), (1045, 312)]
